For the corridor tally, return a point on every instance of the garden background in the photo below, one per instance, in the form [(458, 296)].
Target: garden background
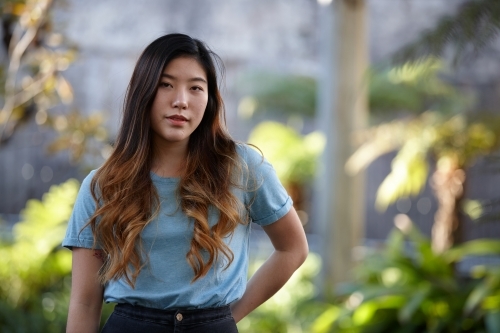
[(380, 117)]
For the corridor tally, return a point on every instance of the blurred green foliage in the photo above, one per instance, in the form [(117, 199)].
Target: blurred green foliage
[(413, 88), (429, 137), (271, 93), (293, 156), (406, 287), (35, 277), (437, 134), (34, 271), (292, 309)]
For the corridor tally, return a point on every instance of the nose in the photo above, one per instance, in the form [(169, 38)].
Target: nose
[(180, 101)]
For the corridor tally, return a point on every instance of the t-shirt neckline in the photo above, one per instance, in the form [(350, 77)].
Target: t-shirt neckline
[(157, 178)]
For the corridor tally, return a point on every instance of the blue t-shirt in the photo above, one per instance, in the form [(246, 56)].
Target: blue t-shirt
[(165, 282)]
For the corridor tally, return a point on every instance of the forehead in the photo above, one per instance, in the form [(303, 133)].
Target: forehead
[(185, 67)]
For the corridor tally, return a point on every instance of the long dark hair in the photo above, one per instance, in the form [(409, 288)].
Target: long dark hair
[(122, 188)]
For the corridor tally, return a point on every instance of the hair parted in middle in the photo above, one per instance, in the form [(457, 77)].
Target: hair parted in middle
[(126, 199)]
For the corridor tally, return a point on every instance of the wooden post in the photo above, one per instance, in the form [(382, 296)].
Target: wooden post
[(342, 110)]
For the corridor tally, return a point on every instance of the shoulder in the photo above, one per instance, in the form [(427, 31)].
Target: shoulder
[(249, 154), (89, 177), (85, 192), (265, 197), (87, 181)]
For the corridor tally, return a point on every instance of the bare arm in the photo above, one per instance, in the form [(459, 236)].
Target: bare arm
[(290, 251), (86, 292)]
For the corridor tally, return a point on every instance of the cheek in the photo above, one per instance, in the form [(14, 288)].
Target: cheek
[(205, 102), (155, 106), (154, 115), (202, 106)]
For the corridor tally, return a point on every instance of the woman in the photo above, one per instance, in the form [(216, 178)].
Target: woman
[(162, 227)]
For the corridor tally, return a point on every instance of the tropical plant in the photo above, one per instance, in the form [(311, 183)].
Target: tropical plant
[(411, 89), (444, 141), (35, 270), (407, 287), (451, 144)]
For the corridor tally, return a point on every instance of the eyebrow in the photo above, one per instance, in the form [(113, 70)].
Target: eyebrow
[(194, 79)]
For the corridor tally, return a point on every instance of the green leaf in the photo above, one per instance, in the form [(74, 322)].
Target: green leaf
[(470, 248), (480, 292), (406, 313), (395, 245), (323, 323), (364, 313), (408, 175), (413, 87)]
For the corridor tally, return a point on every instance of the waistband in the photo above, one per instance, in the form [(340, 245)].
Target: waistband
[(178, 316)]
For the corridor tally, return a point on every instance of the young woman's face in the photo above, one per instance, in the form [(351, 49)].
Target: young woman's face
[(180, 101)]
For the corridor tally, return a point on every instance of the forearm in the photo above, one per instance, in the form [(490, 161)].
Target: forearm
[(268, 279), (84, 318)]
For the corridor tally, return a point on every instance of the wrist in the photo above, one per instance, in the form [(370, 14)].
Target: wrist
[(236, 311)]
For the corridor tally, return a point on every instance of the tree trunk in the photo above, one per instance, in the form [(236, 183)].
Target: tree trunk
[(448, 184), (342, 110)]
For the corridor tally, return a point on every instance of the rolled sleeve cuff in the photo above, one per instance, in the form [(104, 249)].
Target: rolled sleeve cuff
[(276, 215), (70, 243)]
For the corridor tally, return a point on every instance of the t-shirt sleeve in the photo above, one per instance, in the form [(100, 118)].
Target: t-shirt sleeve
[(266, 198), (76, 235)]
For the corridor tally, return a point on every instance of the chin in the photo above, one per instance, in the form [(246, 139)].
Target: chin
[(175, 139)]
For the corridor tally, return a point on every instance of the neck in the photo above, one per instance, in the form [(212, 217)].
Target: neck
[(169, 159)]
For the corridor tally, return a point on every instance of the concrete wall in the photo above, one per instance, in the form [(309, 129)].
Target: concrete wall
[(277, 35)]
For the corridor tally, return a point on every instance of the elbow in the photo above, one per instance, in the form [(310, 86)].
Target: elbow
[(302, 253), (294, 256), (305, 253)]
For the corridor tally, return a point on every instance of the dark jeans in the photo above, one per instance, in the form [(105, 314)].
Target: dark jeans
[(136, 319)]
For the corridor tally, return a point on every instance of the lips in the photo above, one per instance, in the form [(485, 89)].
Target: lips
[(177, 117), (177, 120)]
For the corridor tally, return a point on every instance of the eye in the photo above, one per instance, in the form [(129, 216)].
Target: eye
[(164, 85), (197, 88)]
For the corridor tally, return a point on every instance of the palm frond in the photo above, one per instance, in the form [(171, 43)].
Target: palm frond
[(431, 134), (414, 88), (375, 142), (473, 27), (408, 175)]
